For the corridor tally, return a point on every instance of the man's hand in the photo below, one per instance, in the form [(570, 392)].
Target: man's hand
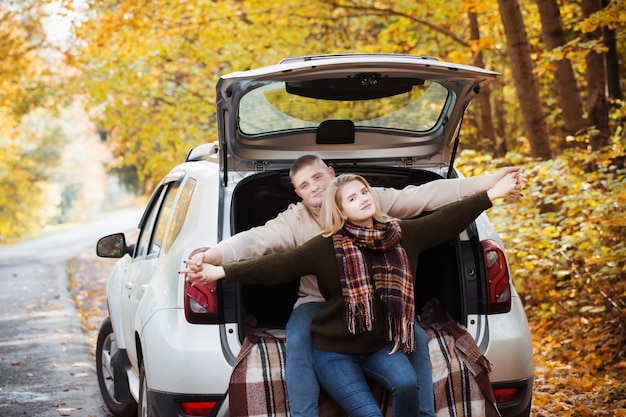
[(194, 265), (206, 273), (487, 181), (507, 186), (199, 256)]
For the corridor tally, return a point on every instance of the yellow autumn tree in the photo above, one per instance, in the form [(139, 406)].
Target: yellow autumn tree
[(30, 140), (150, 71), (150, 67)]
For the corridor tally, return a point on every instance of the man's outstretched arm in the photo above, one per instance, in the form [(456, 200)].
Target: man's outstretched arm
[(413, 200), (276, 235)]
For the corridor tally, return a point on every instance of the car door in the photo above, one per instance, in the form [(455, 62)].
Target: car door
[(145, 263)]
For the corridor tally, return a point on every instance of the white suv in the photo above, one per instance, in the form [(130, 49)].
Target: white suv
[(168, 349)]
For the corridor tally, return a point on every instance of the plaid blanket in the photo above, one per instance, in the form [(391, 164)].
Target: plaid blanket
[(460, 371), (460, 374), (257, 384)]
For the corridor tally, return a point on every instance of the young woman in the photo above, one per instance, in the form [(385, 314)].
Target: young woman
[(365, 263)]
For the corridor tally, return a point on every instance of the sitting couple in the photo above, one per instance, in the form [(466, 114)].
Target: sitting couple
[(355, 315)]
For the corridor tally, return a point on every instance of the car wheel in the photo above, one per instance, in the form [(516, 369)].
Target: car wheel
[(144, 407), (105, 349)]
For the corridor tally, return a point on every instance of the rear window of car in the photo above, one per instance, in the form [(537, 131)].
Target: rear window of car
[(271, 107)]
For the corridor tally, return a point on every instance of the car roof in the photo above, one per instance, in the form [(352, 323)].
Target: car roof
[(384, 109)]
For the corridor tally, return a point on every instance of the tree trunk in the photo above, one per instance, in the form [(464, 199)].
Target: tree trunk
[(486, 129), (612, 61), (612, 65), (524, 80), (597, 100), (567, 89)]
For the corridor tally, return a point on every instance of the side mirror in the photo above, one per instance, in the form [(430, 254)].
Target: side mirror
[(113, 246)]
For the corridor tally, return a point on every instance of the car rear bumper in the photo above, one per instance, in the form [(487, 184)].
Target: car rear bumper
[(510, 349), (165, 404), (519, 405)]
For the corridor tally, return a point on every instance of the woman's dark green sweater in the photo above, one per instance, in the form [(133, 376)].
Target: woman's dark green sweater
[(317, 257)]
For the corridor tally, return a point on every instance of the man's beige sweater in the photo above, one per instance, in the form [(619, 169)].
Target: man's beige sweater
[(299, 223)]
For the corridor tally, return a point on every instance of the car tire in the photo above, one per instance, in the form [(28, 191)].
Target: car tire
[(145, 410), (105, 349)]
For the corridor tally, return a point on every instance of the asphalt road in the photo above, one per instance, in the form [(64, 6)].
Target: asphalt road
[(46, 368)]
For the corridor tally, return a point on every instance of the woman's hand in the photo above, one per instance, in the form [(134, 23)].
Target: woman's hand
[(509, 185), (203, 273), (194, 262), (486, 181)]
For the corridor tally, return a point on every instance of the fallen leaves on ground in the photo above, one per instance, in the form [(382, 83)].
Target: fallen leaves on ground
[(578, 370), (88, 275)]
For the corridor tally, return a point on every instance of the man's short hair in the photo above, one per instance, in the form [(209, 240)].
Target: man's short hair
[(305, 161)]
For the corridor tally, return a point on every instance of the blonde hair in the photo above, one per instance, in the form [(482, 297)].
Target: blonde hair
[(331, 215)]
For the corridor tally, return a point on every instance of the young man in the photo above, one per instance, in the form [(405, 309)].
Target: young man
[(300, 222)]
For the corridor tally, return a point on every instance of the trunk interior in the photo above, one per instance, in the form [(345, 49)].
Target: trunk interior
[(261, 197)]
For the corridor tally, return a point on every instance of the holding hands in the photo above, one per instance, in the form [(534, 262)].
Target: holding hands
[(506, 186), (197, 271)]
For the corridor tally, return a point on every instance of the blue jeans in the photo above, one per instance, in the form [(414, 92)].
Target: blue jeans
[(302, 386), (420, 359), (343, 377)]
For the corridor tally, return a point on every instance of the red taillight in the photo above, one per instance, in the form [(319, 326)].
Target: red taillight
[(201, 303), (504, 395), (498, 280), (197, 408)]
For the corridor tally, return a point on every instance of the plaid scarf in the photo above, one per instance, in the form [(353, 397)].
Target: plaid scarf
[(392, 280)]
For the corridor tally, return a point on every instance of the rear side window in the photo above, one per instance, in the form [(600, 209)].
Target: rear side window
[(166, 211), (275, 106), (154, 226), (147, 226), (180, 213)]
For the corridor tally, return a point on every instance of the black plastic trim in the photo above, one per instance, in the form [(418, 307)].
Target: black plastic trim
[(120, 365), (520, 405)]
